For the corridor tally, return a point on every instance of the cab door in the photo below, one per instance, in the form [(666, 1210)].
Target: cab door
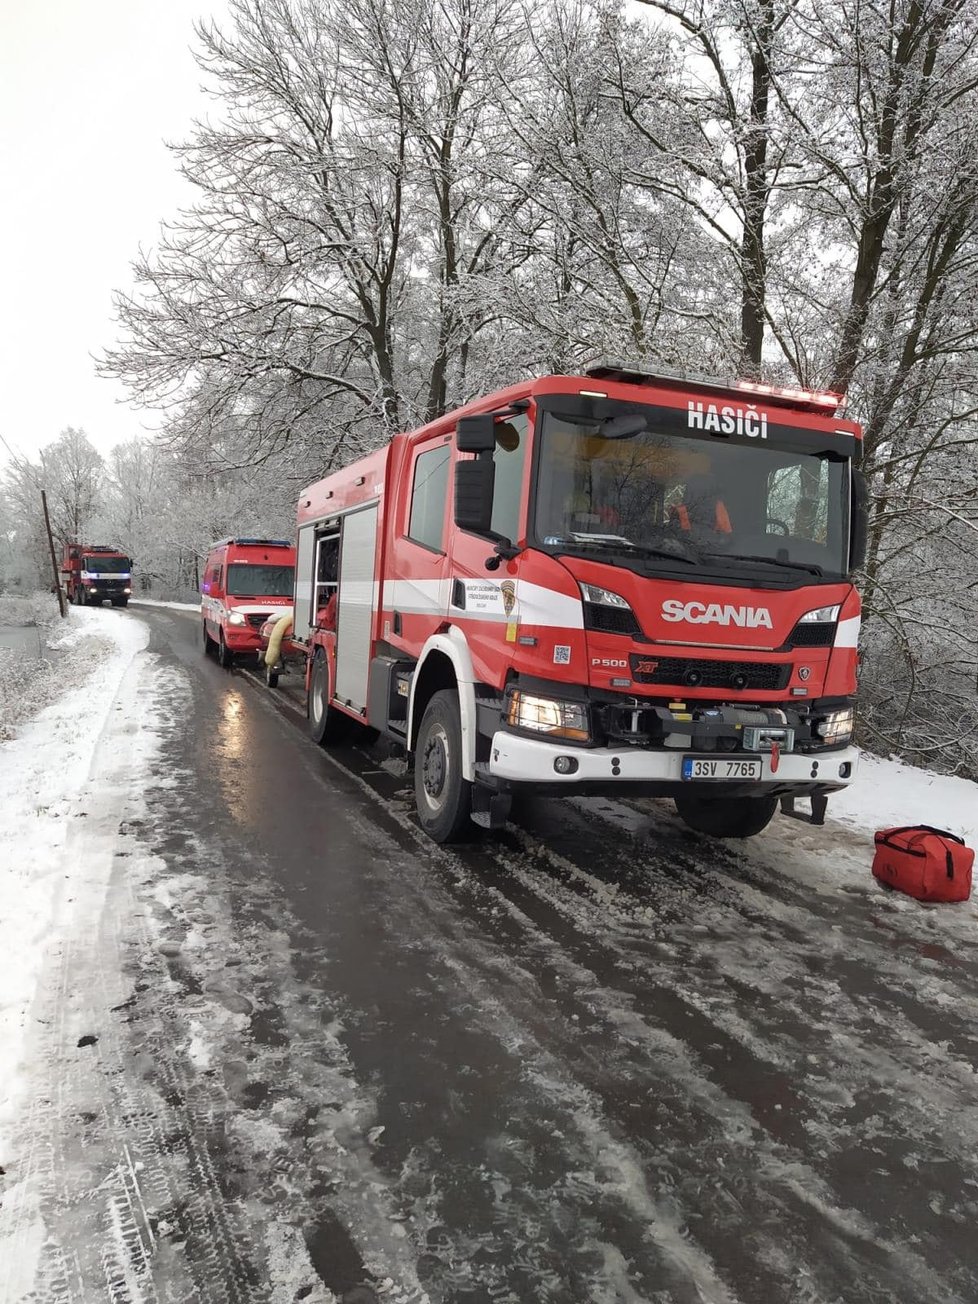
[(483, 601), (417, 588), (213, 602)]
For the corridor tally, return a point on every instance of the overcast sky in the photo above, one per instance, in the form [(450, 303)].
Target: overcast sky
[(88, 95)]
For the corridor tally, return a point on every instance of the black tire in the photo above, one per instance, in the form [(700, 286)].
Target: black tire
[(225, 658), (326, 724), (726, 817), (443, 798), (208, 643)]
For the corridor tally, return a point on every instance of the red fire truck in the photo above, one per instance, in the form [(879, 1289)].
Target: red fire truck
[(613, 582), (245, 581), (96, 573)]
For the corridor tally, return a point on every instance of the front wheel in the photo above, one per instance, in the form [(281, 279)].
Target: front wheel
[(726, 817), (225, 656), (442, 796), (326, 724)]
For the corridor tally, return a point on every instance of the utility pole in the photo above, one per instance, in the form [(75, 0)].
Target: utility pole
[(54, 560)]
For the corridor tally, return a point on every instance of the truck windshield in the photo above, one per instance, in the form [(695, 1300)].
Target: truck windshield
[(106, 565), (725, 505), (246, 581)]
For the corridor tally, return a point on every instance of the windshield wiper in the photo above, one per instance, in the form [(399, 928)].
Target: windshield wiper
[(812, 567), (691, 555), (618, 543)]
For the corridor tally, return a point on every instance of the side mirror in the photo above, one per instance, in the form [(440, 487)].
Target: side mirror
[(474, 483), (858, 521), (476, 434)]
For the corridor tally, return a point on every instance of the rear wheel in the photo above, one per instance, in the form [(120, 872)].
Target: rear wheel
[(326, 724), (225, 657), (443, 797), (726, 817)]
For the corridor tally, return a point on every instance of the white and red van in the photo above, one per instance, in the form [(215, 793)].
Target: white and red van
[(245, 581)]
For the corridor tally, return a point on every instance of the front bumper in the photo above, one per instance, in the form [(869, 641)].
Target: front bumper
[(515, 759), (241, 638)]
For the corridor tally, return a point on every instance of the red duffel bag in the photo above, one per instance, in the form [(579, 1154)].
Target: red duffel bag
[(926, 863)]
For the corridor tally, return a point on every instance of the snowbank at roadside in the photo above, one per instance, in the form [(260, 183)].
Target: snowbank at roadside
[(888, 793), (45, 769)]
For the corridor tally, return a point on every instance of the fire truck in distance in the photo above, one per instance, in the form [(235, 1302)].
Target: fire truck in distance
[(96, 573), (612, 582), (245, 582)]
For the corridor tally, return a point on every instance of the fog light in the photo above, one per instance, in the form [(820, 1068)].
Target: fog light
[(845, 770), (566, 764)]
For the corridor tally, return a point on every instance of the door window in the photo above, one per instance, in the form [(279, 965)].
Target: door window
[(429, 494), (509, 460)]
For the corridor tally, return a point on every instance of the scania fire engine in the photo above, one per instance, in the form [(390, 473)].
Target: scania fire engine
[(96, 573), (612, 582)]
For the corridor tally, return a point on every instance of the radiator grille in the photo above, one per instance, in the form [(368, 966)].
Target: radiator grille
[(690, 672)]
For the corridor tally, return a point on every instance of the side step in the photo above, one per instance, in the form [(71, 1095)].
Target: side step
[(490, 809)]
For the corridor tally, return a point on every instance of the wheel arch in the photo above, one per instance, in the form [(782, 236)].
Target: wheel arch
[(445, 662)]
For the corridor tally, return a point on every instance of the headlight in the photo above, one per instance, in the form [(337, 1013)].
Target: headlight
[(604, 597), (821, 616), (236, 618), (836, 727), (127, 590), (549, 716)]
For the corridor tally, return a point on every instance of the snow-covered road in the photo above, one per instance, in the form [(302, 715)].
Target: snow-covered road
[(270, 1044)]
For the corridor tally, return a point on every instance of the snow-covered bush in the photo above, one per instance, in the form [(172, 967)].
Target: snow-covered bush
[(40, 609)]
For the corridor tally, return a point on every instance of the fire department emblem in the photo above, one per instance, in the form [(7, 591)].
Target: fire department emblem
[(508, 590)]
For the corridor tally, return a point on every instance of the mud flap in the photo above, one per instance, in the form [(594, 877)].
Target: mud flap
[(819, 803)]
